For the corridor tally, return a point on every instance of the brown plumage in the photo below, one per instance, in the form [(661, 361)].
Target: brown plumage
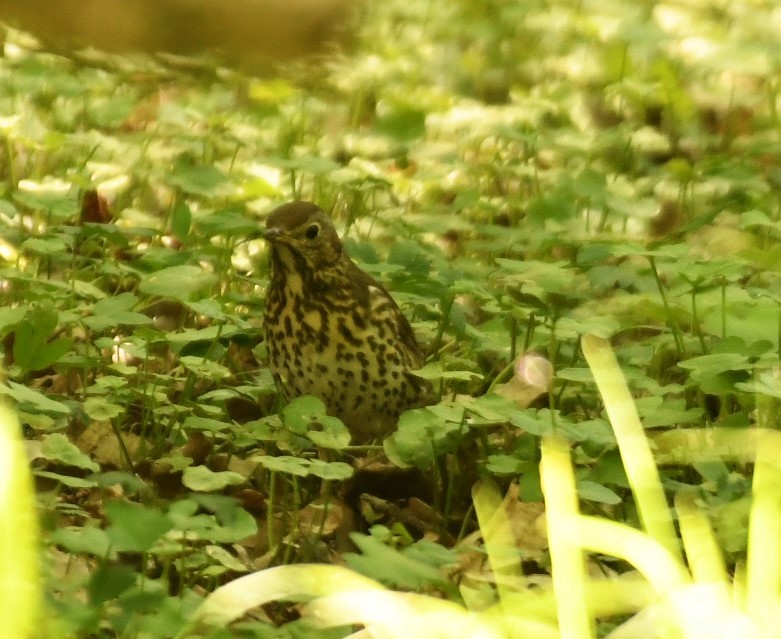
[(332, 330)]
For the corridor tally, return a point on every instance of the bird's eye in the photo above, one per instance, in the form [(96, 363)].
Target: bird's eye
[(312, 231)]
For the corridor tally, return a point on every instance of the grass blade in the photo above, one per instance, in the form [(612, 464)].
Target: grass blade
[(638, 460)]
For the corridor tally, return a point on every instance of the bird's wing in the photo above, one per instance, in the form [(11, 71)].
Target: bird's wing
[(379, 300)]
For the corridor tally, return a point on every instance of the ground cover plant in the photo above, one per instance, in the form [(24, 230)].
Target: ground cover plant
[(519, 175)]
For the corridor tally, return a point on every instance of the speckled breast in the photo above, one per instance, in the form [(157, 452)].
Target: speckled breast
[(347, 353)]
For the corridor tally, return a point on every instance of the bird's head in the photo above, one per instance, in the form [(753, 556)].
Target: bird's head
[(301, 232)]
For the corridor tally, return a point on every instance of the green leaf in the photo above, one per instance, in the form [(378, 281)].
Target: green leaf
[(10, 316), (392, 567), (422, 435), (99, 323), (7, 208), (58, 206), (108, 582), (209, 308), (112, 110), (766, 383), (746, 318), (328, 432), (47, 246), (753, 218), (530, 485), (231, 524), (543, 422), (609, 469), (44, 355), (181, 218), (434, 371), (87, 290), (581, 375), (57, 447), (730, 523), (208, 334), (219, 554), (720, 384), (714, 471), (670, 415), (597, 431), (32, 348), (67, 480), (101, 410), (129, 482), (177, 282), (485, 409), (284, 464), (337, 471), (205, 368), (504, 465), (314, 164), (115, 304), (202, 479), (716, 363), (403, 123), (134, 528), (199, 180), (193, 422), (230, 222), (602, 325), (555, 278), (596, 492), (83, 540), (410, 255), (301, 412)]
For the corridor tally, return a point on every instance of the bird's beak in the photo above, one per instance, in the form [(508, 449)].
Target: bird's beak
[(273, 234)]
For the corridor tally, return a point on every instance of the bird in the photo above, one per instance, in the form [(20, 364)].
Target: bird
[(333, 331)]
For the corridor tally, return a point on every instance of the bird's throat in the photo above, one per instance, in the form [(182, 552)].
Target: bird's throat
[(285, 266)]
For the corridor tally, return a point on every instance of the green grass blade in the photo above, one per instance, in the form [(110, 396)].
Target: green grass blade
[(763, 564), (568, 564), (234, 599), (702, 550), (19, 571), (638, 459), (663, 569), (500, 545)]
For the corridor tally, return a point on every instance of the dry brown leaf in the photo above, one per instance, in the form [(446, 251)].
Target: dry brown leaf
[(99, 441)]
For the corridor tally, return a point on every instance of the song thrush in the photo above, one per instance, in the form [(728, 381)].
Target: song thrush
[(332, 330)]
